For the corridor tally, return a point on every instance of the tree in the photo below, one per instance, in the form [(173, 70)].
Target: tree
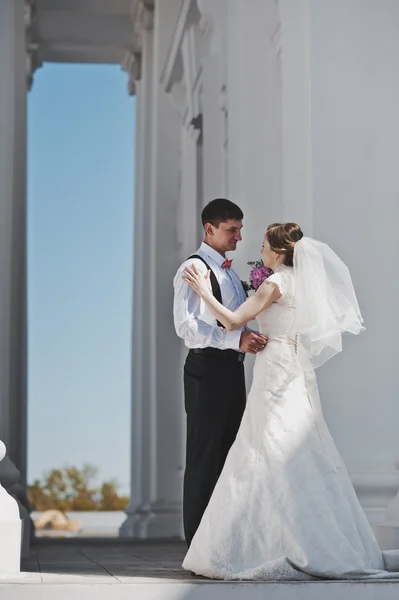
[(110, 499), (82, 494), (56, 490), (38, 498), (73, 489)]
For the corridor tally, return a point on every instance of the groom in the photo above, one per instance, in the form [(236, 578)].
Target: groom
[(214, 383)]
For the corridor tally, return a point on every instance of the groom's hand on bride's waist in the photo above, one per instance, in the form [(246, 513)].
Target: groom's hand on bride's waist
[(252, 342)]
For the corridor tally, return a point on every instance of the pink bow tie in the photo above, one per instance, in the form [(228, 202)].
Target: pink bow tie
[(227, 264)]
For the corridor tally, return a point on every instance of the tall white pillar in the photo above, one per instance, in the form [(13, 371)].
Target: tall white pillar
[(214, 99), (165, 392), (13, 90), (141, 469), (156, 506)]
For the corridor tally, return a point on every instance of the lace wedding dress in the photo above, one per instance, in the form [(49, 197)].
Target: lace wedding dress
[(284, 507)]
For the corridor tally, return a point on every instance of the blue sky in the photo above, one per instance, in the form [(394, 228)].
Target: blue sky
[(80, 238)]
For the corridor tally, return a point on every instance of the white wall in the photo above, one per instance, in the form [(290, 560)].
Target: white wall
[(334, 86), (355, 152)]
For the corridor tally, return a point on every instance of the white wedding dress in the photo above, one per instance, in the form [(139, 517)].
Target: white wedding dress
[(284, 507)]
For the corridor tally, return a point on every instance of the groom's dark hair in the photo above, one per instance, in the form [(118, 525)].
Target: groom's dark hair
[(219, 211)]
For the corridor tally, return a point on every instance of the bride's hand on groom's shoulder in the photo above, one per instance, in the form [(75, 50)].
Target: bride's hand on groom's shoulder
[(271, 289), (197, 281)]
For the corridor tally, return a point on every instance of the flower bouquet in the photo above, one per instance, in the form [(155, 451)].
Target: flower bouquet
[(257, 275)]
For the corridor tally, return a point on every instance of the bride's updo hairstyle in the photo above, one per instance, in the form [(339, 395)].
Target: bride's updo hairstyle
[(282, 238)]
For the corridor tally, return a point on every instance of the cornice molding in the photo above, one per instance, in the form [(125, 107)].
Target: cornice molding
[(32, 52), (213, 22), (142, 16)]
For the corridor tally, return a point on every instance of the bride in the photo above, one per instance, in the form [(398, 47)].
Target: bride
[(284, 506)]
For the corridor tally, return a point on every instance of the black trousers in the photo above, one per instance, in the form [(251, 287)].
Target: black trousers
[(215, 396)]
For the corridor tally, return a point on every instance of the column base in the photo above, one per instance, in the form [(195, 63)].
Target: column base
[(135, 525), (375, 484), (154, 521), (387, 536), (387, 529)]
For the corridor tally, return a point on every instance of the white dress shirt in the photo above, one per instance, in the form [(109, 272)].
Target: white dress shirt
[(194, 321)]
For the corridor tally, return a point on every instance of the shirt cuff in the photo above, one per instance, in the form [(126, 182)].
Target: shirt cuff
[(232, 340)]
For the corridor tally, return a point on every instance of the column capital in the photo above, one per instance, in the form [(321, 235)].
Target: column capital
[(33, 60)]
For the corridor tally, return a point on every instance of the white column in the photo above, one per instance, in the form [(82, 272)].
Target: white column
[(212, 24), (141, 347), (13, 247), (156, 506), (166, 390)]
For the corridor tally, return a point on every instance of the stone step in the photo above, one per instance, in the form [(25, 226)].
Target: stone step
[(62, 588)]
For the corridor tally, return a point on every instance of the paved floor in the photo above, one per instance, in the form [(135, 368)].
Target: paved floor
[(115, 569), (106, 560)]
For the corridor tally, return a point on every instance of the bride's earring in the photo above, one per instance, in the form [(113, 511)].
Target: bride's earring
[(275, 263)]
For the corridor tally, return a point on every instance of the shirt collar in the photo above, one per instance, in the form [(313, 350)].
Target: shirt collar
[(213, 254)]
